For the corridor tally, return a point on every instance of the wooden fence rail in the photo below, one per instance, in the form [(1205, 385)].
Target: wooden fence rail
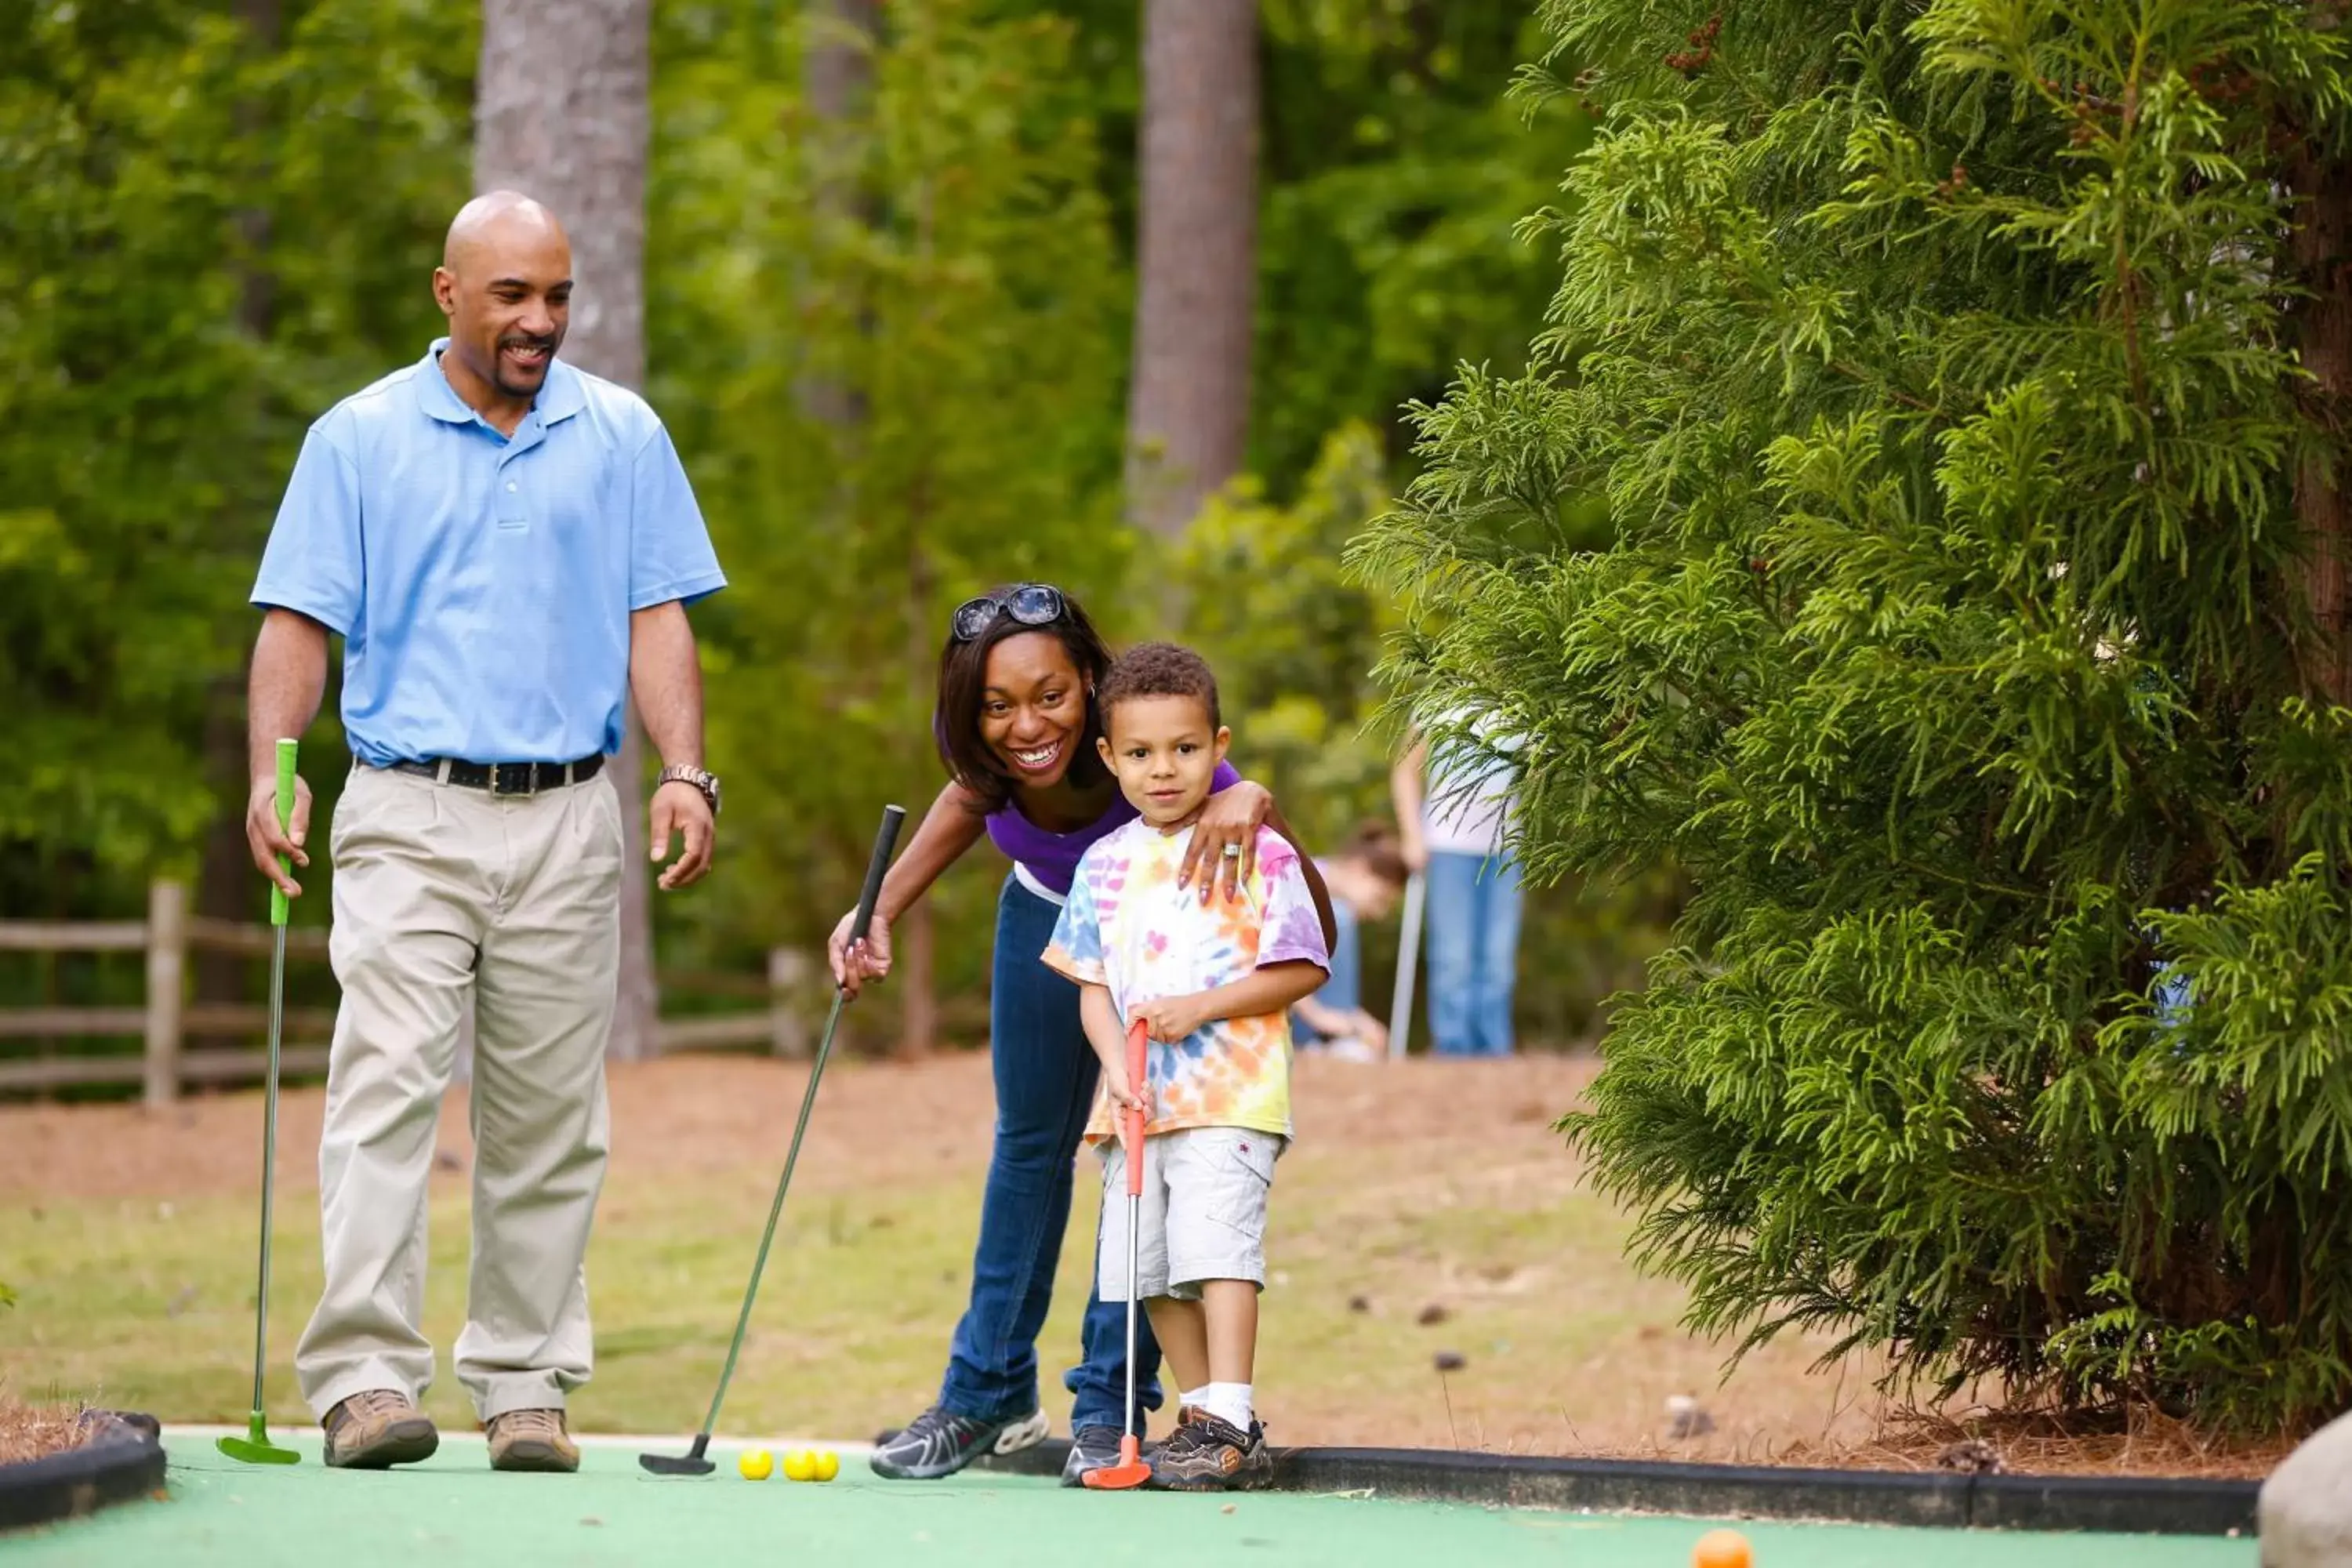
[(166, 1021)]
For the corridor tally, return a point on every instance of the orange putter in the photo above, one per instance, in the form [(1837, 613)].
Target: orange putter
[(1130, 1471)]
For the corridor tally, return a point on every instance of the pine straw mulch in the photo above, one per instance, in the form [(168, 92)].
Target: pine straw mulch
[(35, 1431), (2141, 1442)]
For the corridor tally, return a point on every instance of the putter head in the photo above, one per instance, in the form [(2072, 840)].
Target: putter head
[(1129, 1473), (690, 1463), (254, 1447)]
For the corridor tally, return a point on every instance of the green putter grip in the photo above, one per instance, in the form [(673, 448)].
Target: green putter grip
[(286, 751)]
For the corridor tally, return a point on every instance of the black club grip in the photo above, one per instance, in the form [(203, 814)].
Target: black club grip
[(885, 840)]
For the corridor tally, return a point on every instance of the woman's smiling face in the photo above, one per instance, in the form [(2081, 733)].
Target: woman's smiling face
[(1033, 709)]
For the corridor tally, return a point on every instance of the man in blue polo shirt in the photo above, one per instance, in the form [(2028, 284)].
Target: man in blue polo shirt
[(506, 546)]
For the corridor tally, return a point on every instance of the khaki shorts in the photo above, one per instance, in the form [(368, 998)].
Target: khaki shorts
[(1203, 1211)]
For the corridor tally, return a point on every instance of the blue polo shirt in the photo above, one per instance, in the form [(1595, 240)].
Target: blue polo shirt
[(483, 585)]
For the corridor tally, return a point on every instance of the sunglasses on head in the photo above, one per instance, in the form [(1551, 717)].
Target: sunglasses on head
[(1030, 604)]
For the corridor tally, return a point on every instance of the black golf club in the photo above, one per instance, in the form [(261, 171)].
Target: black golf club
[(692, 1463)]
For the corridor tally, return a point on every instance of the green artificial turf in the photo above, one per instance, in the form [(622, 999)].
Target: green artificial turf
[(454, 1512)]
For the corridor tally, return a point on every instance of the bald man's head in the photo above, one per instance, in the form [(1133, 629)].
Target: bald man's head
[(505, 283)]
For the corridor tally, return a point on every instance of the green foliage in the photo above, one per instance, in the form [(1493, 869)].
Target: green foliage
[(190, 269), (1392, 170), (1936, 373), (1395, 175), (1291, 641), (112, 361), (206, 237), (934, 410), (1293, 638)]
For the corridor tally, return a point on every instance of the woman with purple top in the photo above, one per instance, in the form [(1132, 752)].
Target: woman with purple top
[(1016, 726)]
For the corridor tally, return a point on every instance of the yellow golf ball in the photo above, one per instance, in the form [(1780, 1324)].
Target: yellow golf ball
[(757, 1464), (828, 1465), (800, 1465)]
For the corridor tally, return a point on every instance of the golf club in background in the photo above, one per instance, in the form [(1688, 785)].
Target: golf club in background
[(1408, 957), (692, 1463), (254, 1447), (1130, 1471)]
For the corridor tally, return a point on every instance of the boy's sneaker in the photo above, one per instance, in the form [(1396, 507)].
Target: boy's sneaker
[(1208, 1454), (940, 1443)]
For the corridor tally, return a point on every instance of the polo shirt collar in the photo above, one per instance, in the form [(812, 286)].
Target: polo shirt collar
[(561, 397)]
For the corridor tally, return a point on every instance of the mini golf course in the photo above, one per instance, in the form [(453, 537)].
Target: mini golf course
[(454, 1512)]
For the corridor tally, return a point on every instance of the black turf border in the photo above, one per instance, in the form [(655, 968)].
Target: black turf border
[(124, 1461), (2126, 1505)]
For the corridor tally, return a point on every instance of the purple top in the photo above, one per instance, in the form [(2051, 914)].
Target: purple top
[(1053, 857)]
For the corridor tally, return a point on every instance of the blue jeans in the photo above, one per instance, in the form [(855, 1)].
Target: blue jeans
[(1342, 990), (1471, 909), (1045, 1074)]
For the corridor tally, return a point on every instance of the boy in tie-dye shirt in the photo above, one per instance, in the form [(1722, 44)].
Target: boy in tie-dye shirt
[(1214, 981)]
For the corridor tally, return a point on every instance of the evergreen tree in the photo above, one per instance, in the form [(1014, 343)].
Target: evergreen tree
[(156, 168), (1962, 385)]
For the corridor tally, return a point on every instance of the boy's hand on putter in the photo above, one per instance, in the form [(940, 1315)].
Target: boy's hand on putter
[(1122, 1093), (1171, 1018)]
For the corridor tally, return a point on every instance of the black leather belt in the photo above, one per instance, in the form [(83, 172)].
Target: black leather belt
[(506, 778)]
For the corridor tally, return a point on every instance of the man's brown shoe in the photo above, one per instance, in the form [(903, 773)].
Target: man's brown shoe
[(378, 1429), (533, 1440)]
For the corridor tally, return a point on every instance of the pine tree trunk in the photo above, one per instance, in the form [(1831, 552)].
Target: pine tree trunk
[(838, 73), (561, 115), (838, 68), (2323, 258), (228, 887), (1188, 402), (916, 937), (835, 74)]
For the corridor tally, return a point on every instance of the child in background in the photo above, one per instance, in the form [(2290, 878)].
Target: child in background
[(1365, 879), (1214, 981)]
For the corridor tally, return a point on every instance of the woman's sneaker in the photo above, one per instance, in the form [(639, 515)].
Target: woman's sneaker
[(1091, 1448), (940, 1443), (1207, 1453)]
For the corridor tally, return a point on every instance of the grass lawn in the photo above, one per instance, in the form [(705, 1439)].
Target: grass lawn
[(1427, 1207), (146, 1303)]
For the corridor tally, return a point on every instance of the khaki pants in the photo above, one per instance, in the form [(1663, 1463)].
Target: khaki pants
[(439, 889)]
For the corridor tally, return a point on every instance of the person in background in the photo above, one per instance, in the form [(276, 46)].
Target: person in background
[(1454, 811), (1364, 878)]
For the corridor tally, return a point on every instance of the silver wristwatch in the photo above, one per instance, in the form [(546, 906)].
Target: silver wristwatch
[(707, 783)]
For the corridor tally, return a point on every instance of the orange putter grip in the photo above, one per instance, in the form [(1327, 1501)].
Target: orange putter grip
[(1138, 1033)]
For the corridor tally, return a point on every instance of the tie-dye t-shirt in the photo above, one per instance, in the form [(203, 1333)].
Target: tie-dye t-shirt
[(1130, 928)]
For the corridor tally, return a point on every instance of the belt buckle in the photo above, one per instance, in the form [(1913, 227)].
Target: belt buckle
[(520, 771)]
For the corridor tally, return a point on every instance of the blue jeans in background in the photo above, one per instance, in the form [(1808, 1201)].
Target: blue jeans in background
[(1343, 988), (1471, 921), (1045, 1074)]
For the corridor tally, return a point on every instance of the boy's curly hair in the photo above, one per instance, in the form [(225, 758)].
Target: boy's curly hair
[(1159, 670)]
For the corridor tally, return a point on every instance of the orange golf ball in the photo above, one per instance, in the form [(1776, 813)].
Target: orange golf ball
[(1721, 1549)]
